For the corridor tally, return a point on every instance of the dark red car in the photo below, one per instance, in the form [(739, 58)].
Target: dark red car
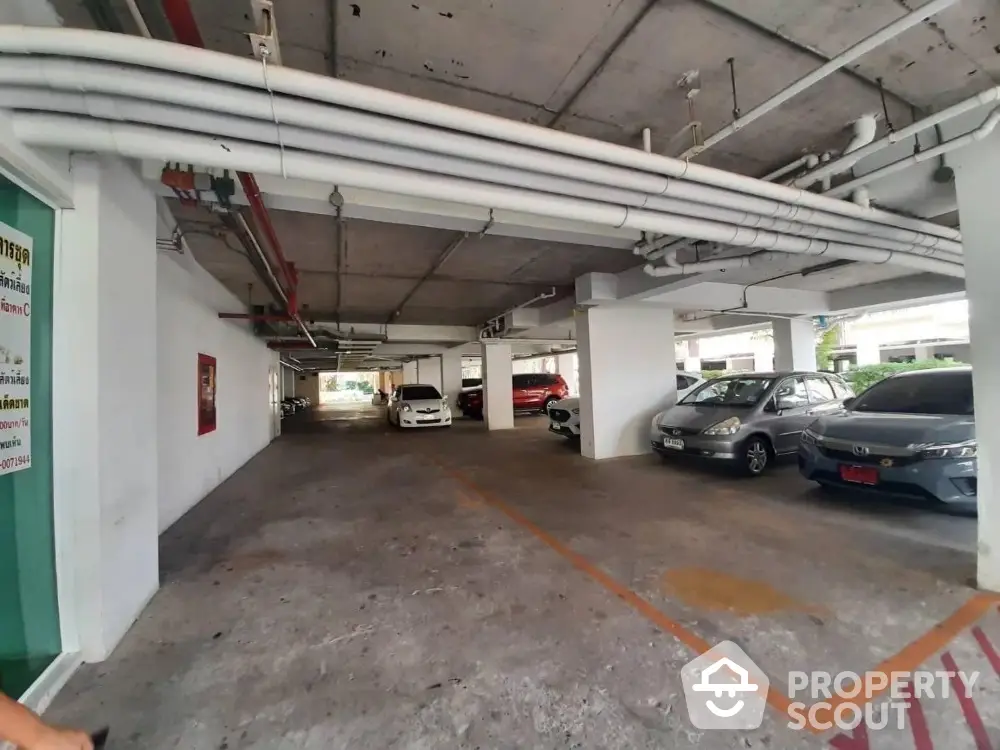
[(532, 392)]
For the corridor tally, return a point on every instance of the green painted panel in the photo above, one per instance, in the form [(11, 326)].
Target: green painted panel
[(29, 611)]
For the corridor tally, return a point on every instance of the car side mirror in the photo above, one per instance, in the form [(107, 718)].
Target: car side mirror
[(784, 404), (849, 402), (771, 407)]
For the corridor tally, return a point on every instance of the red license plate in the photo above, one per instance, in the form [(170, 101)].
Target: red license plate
[(859, 474)]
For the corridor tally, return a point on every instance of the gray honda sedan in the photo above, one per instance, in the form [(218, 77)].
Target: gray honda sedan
[(911, 435), (746, 420)]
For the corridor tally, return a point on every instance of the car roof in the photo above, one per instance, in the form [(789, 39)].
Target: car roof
[(933, 371), (775, 374)]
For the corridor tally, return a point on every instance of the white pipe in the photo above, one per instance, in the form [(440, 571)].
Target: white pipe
[(122, 109), (846, 162), (216, 66), (141, 142), (984, 130), (824, 159), (865, 128), (721, 264), (647, 140), (849, 55), (788, 168), (137, 17)]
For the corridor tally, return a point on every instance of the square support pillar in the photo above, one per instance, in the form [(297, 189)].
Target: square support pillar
[(409, 373), (498, 389), (692, 362), (976, 169), (763, 355), (429, 372), (566, 366), (794, 344), (451, 375), (868, 350), (628, 373)]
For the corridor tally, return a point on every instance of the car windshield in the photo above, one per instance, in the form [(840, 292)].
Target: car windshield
[(938, 393), (729, 392), (420, 393)]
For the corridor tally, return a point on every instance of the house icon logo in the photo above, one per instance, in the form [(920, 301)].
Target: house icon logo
[(724, 689)]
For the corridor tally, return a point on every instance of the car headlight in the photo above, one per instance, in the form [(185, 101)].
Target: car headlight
[(576, 411), (964, 449), (726, 427), (444, 406), (406, 407), (655, 424), (810, 437)]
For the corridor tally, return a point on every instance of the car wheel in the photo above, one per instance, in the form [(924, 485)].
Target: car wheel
[(755, 456), (548, 402)]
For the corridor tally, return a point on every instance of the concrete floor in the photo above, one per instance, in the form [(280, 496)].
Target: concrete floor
[(358, 587)]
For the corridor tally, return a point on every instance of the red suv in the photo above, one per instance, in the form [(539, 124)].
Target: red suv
[(532, 392)]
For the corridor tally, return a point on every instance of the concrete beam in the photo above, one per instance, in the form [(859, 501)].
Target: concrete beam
[(694, 293), (403, 333), (304, 196), (909, 291)]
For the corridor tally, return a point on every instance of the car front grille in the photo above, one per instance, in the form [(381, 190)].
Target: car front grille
[(428, 411), (677, 431), (559, 415), (872, 459)]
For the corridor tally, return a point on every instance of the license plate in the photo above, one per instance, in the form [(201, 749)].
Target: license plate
[(859, 474), (674, 443)]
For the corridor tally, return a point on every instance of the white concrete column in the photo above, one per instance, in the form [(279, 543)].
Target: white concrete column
[(451, 375), (498, 391), (287, 382), (566, 366), (628, 373), (692, 362), (763, 355), (104, 349), (976, 169), (409, 373), (868, 348), (920, 353), (429, 371), (794, 344)]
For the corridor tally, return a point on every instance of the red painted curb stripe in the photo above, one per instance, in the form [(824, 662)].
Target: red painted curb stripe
[(987, 648), (857, 740), (969, 710), (918, 722)]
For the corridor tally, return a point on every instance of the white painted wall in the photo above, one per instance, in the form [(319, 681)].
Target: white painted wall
[(105, 406), (188, 302), (128, 324), (429, 372)]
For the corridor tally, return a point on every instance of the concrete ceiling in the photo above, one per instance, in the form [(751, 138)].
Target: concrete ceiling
[(602, 68), (387, 265)]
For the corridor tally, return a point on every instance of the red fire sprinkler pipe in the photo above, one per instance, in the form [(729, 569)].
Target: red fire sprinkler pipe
[(185, 28)]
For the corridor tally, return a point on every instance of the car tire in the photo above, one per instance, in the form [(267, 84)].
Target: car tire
[(548, 402), (755, 456)]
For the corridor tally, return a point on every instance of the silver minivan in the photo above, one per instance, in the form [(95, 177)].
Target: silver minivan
[(748, 419)]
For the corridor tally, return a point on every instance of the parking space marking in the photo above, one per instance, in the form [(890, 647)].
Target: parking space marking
[(908, 659)]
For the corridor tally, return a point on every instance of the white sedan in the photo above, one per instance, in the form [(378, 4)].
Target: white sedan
[(418, 406), (564, 416)]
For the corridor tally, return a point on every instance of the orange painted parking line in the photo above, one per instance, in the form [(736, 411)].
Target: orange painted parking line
[(693, 641), (907, 660)]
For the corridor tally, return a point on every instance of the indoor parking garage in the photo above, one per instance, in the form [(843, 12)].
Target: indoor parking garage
[(513, 374)]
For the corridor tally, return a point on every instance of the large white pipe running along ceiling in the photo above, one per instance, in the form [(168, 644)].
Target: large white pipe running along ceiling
[(607, 183)]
